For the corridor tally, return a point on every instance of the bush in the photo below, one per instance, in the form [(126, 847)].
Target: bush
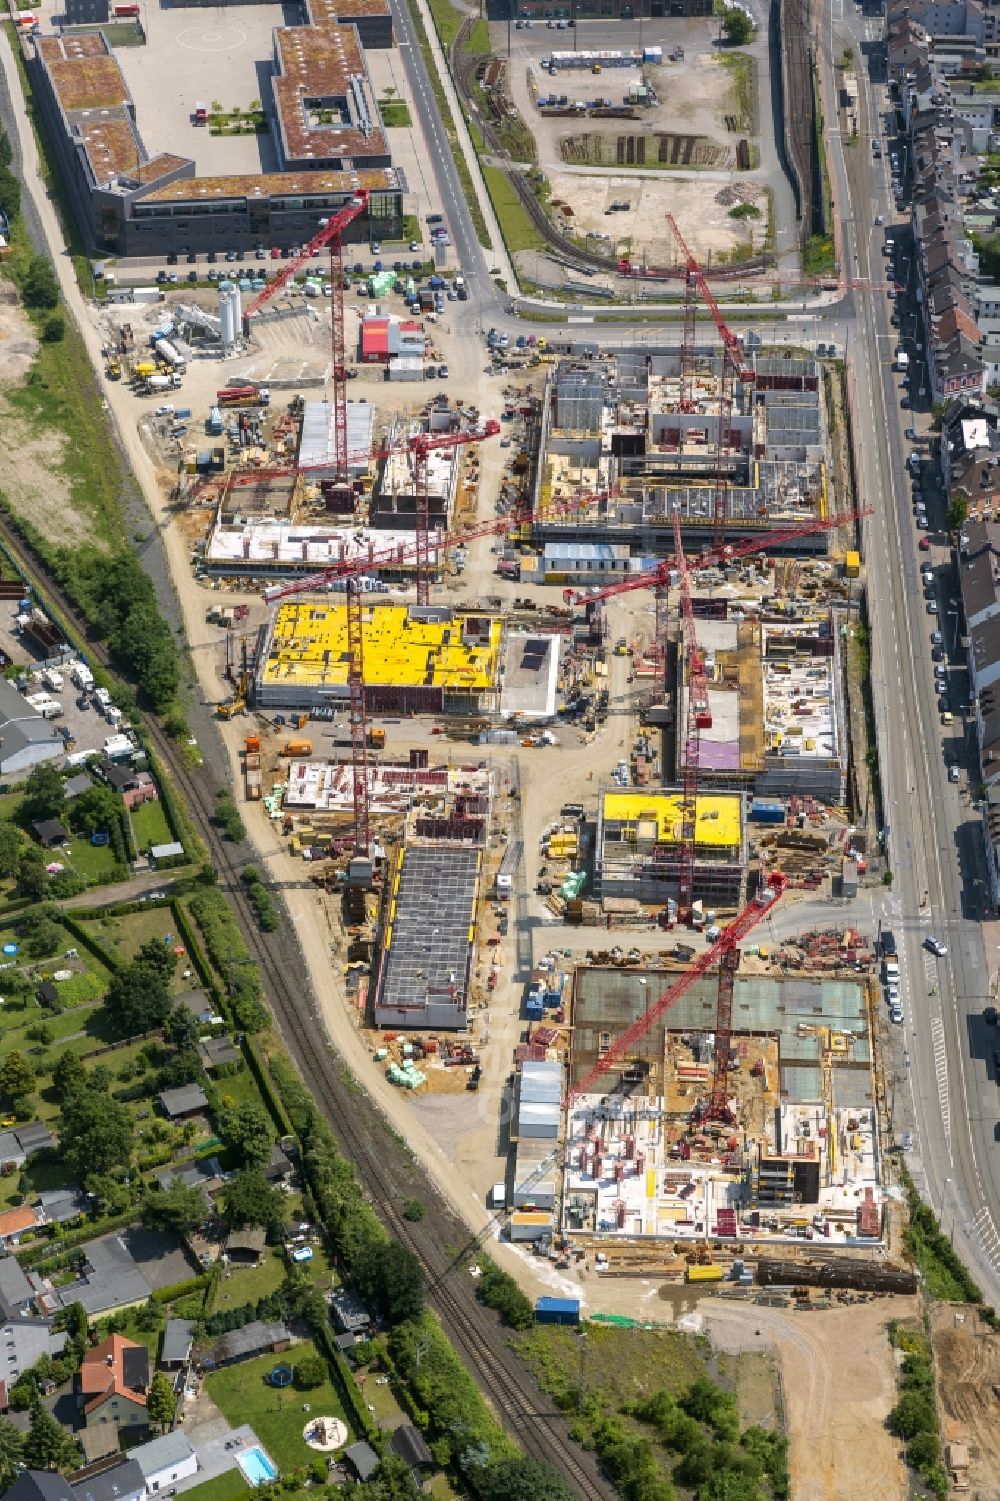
[(54, 329), (40, 286), (499, 1291), (227, 818)]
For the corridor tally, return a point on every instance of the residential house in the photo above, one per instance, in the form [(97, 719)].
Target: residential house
[(166, 1460), (16, 1292), (205, 1172), (144, 791), (979, 571), (39, 1485), (362, 1459), (255, 1338), (183, 1103), (111, 1278), (23, 1342), (14, 1222), (58, 1206), (17, 1145), (409, 1443), (103, 1482), (348, 1312), (984, 655), (118, 777), (278, 1166), (970, 454), (113, 1385), (175, 1351), (50, 832), (218, 1052), (74, 787), (198, 1003), (246, 1247)]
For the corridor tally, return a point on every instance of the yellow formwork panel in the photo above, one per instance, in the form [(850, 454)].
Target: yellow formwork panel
[(717, 819), (309, 648)]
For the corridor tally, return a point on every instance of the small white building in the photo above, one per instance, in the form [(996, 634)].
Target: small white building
[(166, 1460)]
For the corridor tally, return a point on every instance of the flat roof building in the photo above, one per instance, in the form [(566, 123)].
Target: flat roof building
[(638, 844), (423, 974), (417, 660)]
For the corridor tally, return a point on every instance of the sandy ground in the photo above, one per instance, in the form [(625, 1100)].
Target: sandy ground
[(838, 1385), (702, 219)]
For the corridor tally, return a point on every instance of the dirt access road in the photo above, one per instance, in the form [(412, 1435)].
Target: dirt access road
[(838, 1384)]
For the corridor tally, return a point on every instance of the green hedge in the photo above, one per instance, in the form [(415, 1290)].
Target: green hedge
[(181, 1289), (79, 931), (343, 1379), (266, 1086)]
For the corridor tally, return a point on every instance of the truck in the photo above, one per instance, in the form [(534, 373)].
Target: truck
[(159, 383), (169, 352), (376, 737), (243, 396), (214, 424), (143, 369), (296, 748), (201, 113), (251, 768)]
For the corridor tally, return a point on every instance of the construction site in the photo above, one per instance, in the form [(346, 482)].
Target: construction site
[(549, 826)]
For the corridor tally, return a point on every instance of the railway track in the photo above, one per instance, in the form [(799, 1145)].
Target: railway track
[(385, 1167)]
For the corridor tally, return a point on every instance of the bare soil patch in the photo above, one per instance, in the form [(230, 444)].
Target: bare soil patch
[(700, 208), (18, 343), (967, 1367)]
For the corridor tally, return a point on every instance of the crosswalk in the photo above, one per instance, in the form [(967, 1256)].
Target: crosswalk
[(988, 1234), (941, 1074)]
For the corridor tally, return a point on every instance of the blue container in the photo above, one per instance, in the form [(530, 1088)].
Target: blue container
[(766, 812), (557, 1311), (534, 1010)]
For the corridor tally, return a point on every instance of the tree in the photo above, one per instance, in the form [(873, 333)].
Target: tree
[(310, 1372), (391, 1277), (958, 511), (522, 1479), (40, 288), (68, 1075), (96, 811), (44, 794), (248, 1199), (160, 1402), (181, 1029), (247, 1131), (95, 1133), (47, 1445), (44, 936), (179, 1208), (10, 194), (54, 329), (737, 26), (110, 1196), (913, 1413), (11, 1450), (138, 997), (392, 1481), (10, 846), (17, 1077), (729, 1485), (32, 877)]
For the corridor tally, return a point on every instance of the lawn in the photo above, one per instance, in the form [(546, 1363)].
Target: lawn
[(245, 1284), (239, 1088), (518, 230), (395, 113), (149, 825), (244, 1396), (95, 861), (229, 1486), (447, 21), (618, 1364), (479, 37)]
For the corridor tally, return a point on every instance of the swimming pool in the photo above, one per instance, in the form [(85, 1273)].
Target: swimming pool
[(256, 1466)]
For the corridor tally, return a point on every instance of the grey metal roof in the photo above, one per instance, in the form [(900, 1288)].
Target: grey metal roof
[(117, 1484), (187, 1097), (160, 1453), (112, 1279), (21, 725), (23, 1342), (348, 1311), (431, 949), (15, 1288), (61, 1204), (39, 1485), (177, 1338), (363, 1459), (253, 1339), (34, 1136)]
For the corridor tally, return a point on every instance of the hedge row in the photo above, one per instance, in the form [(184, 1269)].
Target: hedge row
[(268, 1092), (181, 1289), (78, 929)]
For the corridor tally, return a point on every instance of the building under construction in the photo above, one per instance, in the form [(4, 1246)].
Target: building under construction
[(417, 659), (776, 695), (638, 847), (630, 425), (798, 1155)]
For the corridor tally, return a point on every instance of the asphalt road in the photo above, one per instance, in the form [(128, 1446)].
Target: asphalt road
[(940, 1086)]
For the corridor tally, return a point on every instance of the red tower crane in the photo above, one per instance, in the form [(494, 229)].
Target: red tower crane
[(331, 237), (350, 570), (699, 717), (733, 365), (723, 951), (727, 553), (417, 446)]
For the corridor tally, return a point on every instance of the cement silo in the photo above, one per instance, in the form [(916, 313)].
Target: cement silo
[(230, 313)]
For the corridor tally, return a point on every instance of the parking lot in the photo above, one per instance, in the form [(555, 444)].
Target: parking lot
[(88, 727), (203, 56)]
